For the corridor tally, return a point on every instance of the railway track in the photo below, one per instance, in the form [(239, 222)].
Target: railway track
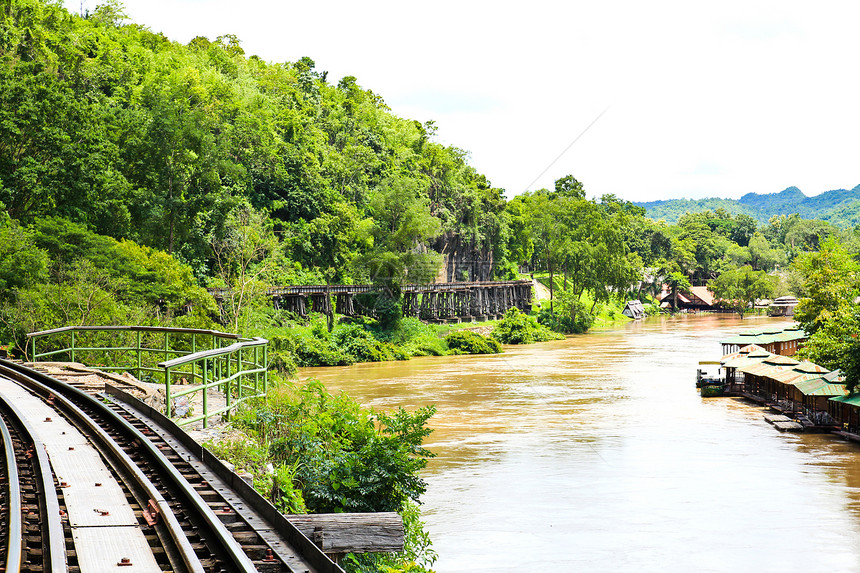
[(29, 497), (190, 517)]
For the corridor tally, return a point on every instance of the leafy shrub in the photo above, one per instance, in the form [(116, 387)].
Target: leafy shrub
[(570, 317), (244, 454), (330, 454), (651, 309), (310, 351), (284, 494), (412, 337), (519, 328), (564, 321), (425, 346), (346, 458), (354, 341), (283, 362), (468, 342)]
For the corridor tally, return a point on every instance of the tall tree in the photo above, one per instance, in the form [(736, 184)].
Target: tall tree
[(831, 281), (738, 289), (243, 260)]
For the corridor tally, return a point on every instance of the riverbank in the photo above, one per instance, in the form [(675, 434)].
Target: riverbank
[(294, 344)]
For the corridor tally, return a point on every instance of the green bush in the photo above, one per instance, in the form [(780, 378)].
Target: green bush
[(651, 309), (468, 342), (570, 315), (519, 328), (412, 337), (283, 362), (346, 458), (328, 454), (560, 322), (284, 494), (357, 343), (310, 351), (426, 345)]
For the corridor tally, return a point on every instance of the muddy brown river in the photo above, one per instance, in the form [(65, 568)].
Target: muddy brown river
[(596, 453)]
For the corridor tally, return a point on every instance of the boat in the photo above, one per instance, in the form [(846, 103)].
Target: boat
[(711, 383)]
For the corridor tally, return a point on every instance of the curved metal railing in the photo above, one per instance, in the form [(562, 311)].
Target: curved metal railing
[(197, 360)]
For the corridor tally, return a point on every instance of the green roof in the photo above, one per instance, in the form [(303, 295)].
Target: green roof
[(766, 336), (789, 335), (852, 399), (820, 387)]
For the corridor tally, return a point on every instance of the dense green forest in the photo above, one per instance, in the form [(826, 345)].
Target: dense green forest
[(142, 170), (841, 207)]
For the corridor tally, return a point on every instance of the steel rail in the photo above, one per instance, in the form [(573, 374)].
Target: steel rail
[(163, 425), (55, 545), (189, 558), (233, 552), (13, 509)]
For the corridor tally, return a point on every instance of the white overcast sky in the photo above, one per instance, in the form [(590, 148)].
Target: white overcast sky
[(701, 99)]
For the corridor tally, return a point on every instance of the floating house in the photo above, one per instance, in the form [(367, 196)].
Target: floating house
[(634, 309), (816, 398), (816, 394), (846, 411), (784, 341), (783, 306)]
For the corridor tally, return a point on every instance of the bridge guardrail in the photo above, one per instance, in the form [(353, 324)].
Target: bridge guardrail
[(184, 356)]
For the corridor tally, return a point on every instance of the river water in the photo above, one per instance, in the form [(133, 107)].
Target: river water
[(596, 453)]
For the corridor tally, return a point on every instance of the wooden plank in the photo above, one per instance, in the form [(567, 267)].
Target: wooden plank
[(352, 532)]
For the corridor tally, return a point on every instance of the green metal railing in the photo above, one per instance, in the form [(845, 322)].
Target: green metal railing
[(197, 360)]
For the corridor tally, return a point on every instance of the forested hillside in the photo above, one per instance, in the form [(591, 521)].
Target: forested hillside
[(141, 169), (117, 128), (251, 173), (840, 207)]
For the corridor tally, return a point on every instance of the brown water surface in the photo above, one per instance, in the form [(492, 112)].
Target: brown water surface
[(596, 453)]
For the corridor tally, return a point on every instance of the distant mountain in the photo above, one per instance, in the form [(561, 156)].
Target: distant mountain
[(840, 206)]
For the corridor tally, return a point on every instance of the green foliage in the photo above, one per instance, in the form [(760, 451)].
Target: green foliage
[(677, 282), (310, 350), (570, 315), (837, 206), (414, 338), (738, 289), (345, 458), (243, 254), (835, 344), (358, 343), (468, 342), (296, 343), (516, 327), (285, 496), (144, 276), (22, 263), (831, 281), (81, 294), (131, 135), (763, 257)]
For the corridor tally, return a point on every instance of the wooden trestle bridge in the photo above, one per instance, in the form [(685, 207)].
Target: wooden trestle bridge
[(439, 302)]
